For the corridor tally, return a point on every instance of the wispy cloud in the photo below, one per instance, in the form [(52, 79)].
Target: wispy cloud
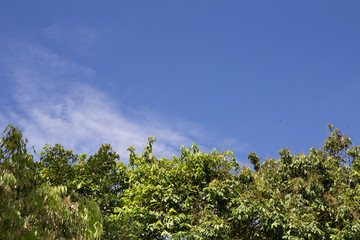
[(77, 37), (53, 102), (52, 99)]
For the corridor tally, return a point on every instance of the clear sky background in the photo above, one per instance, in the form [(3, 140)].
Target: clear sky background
[(249, 76)]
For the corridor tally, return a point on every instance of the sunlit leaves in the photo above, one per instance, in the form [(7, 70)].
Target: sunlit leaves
[(34, 210), (194, 196)]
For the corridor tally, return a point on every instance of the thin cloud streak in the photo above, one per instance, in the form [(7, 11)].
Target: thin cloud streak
[(77, 37), (52, 106)]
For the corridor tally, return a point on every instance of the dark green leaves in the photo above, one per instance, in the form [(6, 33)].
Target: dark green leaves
[(34, 209), (194, 196)]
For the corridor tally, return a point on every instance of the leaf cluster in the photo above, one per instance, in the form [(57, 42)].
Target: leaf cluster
[(194, 195), (32, 209)]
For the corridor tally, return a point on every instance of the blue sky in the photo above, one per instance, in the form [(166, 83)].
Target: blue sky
[(249, 76)]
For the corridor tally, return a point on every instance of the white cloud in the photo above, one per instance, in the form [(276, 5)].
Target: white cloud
[(53, 102), (77, 37)]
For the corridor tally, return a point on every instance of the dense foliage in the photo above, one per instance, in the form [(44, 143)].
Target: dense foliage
[(193, 196), (32, 209)]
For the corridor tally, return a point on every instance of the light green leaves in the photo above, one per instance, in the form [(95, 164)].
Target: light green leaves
[(32, 209), (194, 196)]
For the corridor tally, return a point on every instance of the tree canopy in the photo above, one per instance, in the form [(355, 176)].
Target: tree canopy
[(194, 195), (35, 209)]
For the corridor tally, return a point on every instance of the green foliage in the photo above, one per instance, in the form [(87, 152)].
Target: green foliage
[(194, 196), (34, 210), (313, 196), (188, 197), (254, 160), (99, 178)]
